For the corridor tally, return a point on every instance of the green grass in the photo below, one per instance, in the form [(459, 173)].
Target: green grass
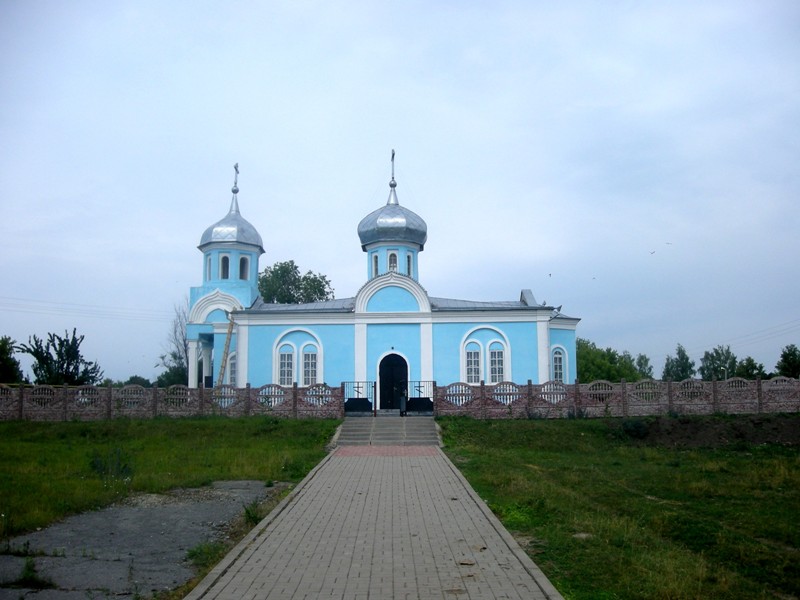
[(50, 470), (607, 517)]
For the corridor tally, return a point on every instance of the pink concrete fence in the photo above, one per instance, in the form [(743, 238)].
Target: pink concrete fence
[(501, 401), (604, 399), (88, 403)]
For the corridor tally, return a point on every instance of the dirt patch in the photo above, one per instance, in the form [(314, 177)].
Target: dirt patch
[(711, 431), (129, 550)]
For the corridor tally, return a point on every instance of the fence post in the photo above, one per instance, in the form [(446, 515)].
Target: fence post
[(21, 401), (247, 403), (483, 400), (155, 401), (624, 386), (64, 402), (670, 408), (578, 405), (758, 394), (109, 400), (294, 400), (341, 392), (714, 398), (528, 399)]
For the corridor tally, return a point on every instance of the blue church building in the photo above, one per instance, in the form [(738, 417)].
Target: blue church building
[(391, 333)]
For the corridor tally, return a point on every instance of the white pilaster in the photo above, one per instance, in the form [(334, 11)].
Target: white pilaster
[(543, 339), (192, 366), (361, 352), (426, 351)]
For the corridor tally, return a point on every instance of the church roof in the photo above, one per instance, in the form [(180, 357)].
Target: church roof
[(392, 223), (233, 227)]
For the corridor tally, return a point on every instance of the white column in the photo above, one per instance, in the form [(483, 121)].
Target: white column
[(543, 338), (192, 366), (242, 335)]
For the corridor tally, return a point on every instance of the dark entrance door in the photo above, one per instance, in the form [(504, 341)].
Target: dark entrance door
[(393, 375)]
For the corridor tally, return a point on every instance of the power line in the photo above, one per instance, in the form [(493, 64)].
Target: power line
[(30, 306)]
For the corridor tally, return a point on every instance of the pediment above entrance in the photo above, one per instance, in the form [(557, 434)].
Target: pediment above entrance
[(392, 293), (206, 305)]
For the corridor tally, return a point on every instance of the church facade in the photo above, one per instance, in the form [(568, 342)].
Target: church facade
[(391, 333)]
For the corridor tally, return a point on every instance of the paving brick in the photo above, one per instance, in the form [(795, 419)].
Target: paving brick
[(380, 521)]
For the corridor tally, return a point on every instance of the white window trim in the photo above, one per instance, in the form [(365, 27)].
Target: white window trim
[(282, 340), (246, 260), (485, 355), (389, 258), (502, 350), (222, 258), (303, 352), (231, 360), (564, 366), (465, 372)]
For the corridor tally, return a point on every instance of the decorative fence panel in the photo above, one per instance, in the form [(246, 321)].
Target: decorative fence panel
[(506, 400)]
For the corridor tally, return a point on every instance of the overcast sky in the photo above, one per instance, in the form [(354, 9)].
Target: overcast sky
[(637, 163)]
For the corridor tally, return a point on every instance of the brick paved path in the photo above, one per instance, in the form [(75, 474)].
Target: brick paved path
[(379, 522)]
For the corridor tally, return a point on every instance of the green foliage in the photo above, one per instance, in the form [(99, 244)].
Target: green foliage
[(789, 362), (174, 375), (137, 380), (678, 368), (608, 364), (58, 360), (50, 470), (720, 363), (115, 464), (283, 284), (748, 368), (206, 554), (605, 517), (10, 371)]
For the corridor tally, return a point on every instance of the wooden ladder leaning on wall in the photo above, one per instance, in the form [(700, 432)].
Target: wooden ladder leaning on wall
[(227, 348)]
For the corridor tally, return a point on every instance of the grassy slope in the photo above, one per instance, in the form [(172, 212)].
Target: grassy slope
[(607, 518), (49, 470)]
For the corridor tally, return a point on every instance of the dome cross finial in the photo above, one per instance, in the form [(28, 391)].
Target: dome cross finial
[(392, 164), (235, 188)]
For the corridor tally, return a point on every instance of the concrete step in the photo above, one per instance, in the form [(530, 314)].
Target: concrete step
[(389, 430)]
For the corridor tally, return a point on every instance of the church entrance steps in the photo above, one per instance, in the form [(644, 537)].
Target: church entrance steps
[(388, 430)]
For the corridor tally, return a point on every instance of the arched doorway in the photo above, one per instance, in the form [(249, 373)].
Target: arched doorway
[(393, 381)]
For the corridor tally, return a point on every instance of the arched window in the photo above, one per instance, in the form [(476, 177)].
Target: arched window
[(408, 266), (374, 265), (286, 373), (309, 365), (473, 353), (244, 268), (224, 267), (558, 365), (392, 262), (496, 363)]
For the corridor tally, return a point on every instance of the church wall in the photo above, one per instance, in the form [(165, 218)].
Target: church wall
[(566, 339), (392, 299), (400, 338), (337, 350), (521, 351)]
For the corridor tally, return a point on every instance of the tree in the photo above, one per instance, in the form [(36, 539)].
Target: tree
[(644, 367), (679, 368), (789, 362), (719, 363), (595, 363), (176, 357), (10, 371), (58, 360), (748, 368), (283, 284)]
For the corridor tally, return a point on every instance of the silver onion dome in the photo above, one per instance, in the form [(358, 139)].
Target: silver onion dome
[(392, 223), (232, 228)]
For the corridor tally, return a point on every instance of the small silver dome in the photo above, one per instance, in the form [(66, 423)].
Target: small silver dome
[(392, 223), (232, 228)]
